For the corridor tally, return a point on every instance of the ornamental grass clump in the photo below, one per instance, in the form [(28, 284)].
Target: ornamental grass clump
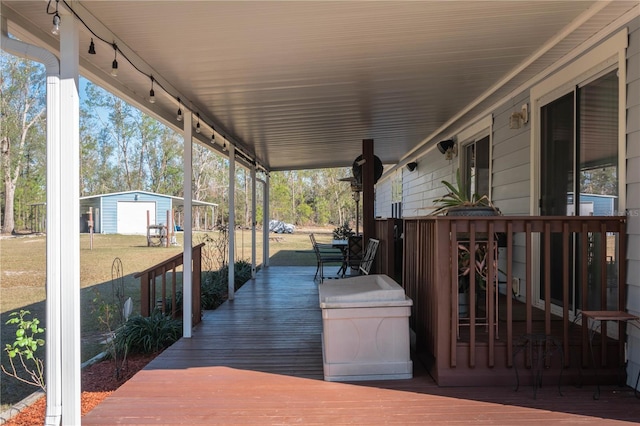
[(148, 335)]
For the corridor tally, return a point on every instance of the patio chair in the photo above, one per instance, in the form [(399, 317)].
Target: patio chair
[(369, 256), (354, 252), (325, 253)]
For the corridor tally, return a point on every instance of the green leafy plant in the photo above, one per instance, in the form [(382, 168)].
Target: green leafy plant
[(110, 320), (148, 334), (468, 262), (458, 196), (25, 348), (342, 232), (214, 286)]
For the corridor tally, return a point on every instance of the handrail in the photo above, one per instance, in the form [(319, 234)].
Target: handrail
[(430, 277), (148, 285)]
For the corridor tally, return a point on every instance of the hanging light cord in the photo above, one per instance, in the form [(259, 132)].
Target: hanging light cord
[(117, 49)]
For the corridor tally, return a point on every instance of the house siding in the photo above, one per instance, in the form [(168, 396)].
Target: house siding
[(633, 196), (383, 198), (511, 181)]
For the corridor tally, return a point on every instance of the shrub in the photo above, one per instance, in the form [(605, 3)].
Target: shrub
[(25, 348), (148, 334), (214, 287)]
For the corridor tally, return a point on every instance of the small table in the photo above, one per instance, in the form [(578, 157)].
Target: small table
[(599, 316), (343, 245)]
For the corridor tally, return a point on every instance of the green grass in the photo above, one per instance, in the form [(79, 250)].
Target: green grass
[(23, 276)]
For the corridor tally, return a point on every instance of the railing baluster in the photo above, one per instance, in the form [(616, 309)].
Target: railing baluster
[(148, 284)]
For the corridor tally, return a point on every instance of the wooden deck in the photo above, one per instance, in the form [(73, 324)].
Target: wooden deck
[(258, 360)]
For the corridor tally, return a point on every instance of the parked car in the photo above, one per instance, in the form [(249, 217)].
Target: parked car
[(279, 227)]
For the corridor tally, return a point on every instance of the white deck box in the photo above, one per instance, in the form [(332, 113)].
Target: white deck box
[(365, 324)]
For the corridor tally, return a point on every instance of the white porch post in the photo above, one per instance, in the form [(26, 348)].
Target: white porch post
[(187, 264), (232, 220), (253, 222), (53, 357), (53, 376), (69, 166), (265, 220)]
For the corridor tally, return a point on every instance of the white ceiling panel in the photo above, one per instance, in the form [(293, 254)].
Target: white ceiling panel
[(299, 85)]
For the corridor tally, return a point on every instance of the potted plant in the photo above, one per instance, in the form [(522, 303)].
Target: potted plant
[(457, 202)]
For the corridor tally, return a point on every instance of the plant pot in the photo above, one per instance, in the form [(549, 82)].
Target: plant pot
[(473, 211), (463, 305)]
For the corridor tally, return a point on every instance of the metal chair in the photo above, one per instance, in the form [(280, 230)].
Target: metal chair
[(369, 256), (325, 253)]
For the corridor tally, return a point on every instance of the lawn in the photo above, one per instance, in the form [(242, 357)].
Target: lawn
[(23, 274)]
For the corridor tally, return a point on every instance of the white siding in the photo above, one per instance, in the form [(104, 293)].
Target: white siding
[(383, 198), (511, 161), (423, 185), (633, 195)]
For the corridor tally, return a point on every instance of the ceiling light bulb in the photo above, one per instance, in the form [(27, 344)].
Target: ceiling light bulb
[(92, 48), (55, 30), (213, 137), (179, 117), (152, 94), (198, 128), (224, 145), (114, 64)]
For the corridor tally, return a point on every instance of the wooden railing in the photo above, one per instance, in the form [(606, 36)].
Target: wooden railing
[(388, 258), (430, 278), (154, 286)]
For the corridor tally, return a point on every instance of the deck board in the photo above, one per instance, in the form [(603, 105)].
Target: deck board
[(257, 360)]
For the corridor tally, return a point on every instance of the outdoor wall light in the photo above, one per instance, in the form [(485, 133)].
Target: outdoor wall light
[(449, 148), (412, 166), (518, 118)]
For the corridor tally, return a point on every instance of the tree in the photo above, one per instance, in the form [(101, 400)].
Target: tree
[(22, 134)]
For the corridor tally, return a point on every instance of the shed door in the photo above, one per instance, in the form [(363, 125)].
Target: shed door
[(132, 216)]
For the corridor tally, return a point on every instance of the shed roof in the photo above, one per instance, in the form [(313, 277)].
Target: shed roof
[(179, 201)]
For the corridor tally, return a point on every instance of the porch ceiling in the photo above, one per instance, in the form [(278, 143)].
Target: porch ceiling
[(298, 85)]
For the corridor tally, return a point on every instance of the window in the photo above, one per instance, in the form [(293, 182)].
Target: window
[(475, 171)]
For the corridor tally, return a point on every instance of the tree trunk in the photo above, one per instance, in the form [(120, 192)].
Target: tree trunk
[(9, 187)]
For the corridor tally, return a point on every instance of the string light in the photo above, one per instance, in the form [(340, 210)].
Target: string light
[(55, 30), (114, 65), (198, 123), (152, 94), (179, 116), (213, 135)]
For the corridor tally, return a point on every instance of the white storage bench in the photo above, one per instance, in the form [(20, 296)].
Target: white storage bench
[(365, 324)]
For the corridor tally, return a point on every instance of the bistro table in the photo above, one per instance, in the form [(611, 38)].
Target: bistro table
[(343, 245)]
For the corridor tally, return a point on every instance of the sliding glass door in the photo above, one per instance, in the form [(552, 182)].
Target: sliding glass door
[(579, 176)]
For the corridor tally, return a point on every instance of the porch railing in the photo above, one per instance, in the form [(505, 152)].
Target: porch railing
[(157, 291), (574, 253), (389, 256)]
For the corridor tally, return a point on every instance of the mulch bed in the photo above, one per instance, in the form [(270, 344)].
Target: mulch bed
[(98, 382)]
